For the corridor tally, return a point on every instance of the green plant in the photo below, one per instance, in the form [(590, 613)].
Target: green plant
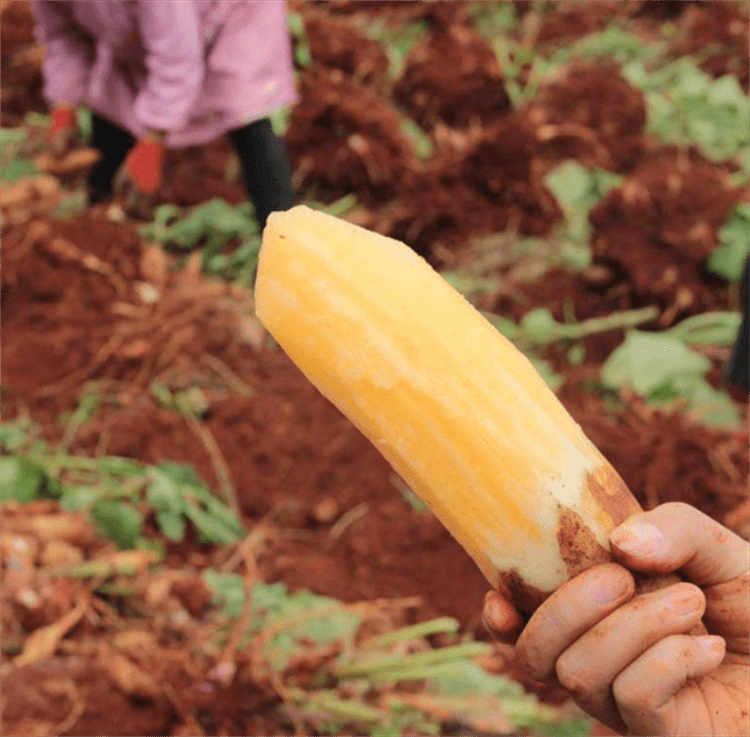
[(212, 226), (118, 492), (578, 189), (396, 42), (493, 19), (687, 106), (614, 42), (296, 25), (362, 687), (661, 368), (14, 163), (728, 259)]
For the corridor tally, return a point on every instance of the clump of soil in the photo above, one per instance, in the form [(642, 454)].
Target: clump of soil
[(591, 113), (437, 13), (343, 138), (484, 182), (21, 61), (85, 301), (660, 226), (452, 76), (720, 32), (336, 44), (199, 173), (565, 21)]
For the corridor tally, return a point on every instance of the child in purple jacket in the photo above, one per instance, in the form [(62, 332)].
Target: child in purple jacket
[(163, 73)]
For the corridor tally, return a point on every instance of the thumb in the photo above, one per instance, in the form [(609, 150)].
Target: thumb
[(678, 536)]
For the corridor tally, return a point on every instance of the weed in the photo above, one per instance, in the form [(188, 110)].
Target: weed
[(362, 687), (119, 493)]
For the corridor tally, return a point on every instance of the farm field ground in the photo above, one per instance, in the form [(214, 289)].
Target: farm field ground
[(579, 171)]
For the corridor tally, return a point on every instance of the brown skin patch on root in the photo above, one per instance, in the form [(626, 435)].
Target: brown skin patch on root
[(524, 597), (609, 492), (579, 547)]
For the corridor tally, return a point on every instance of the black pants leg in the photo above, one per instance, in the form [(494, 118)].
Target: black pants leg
[(739, 365), (114, 143), (265, 168)]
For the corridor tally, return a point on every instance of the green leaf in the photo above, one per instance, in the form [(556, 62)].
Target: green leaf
[(553, 380), (21, 479), (16, 169), (210, 527), (221, 511), (540, 326), (572, 728), (661, 368), (180, 473), (119, 521), (710, 328), (229, 590), (473, 679), (578, 189), (164, 495), (419, 139), (12, 137), (647, 361), (14, 435), (171, 524), (273, 604), (76, 498), (728, 259)]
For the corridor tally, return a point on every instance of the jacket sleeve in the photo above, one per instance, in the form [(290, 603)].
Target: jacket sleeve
[(175, 66), (68, 52)]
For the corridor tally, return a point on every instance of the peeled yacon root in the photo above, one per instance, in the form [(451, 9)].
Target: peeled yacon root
[(457, 410)]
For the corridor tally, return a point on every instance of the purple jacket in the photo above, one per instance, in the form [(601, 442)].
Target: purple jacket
[(194, 68)]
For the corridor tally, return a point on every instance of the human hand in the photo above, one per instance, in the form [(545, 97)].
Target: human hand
[(62, 133), (627, 659)]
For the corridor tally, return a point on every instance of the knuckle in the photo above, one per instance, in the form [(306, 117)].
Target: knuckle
[(633, 692), (570, 675)]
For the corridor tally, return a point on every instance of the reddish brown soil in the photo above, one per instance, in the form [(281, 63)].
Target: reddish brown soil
[(592, 114), (660, 226), (476, 183), (336, 44), (21, 65), (565, 21), (452, 76), (337, 523), (199, 173), (721, 32), (344, 138)]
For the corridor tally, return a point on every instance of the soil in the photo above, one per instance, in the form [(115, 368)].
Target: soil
[(452, 76), (721, 33), (477, 182), (592, 114), (336, 44), (660, 226), (21, 65), (89, 307), (343, 138)]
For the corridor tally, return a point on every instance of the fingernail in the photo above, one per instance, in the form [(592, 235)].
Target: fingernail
[(712, 644), (684, 605), (606, 591), (639, 538)]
